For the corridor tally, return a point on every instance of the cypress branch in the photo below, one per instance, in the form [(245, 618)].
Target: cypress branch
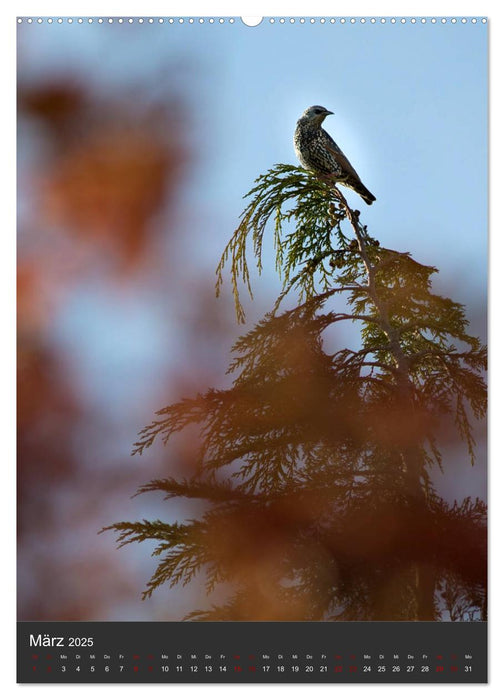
[(310, 449)]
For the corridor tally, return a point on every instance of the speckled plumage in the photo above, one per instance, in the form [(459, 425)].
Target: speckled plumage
[(318, 152)]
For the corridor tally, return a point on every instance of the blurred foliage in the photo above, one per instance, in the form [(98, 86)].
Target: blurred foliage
[(99, 173), (111, 165), (315, 467)]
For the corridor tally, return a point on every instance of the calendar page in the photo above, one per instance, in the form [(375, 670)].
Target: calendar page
[(252, 278)]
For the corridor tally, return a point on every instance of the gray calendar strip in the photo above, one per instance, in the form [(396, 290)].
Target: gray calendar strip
[(252, 652)]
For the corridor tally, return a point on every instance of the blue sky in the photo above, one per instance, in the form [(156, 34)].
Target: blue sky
[(410, 104)]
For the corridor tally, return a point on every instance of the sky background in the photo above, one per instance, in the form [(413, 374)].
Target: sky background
[(410, 104)]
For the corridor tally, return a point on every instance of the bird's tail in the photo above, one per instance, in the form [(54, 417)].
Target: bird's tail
[(363, 192)]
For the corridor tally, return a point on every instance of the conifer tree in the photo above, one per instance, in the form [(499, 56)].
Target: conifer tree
[(316, 465)]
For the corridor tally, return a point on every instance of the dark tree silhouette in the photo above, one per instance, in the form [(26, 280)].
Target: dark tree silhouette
[(316, 466)]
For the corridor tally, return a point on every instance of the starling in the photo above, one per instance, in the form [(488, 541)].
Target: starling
[(319, 153)]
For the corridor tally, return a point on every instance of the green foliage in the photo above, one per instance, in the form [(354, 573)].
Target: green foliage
[(310, 449), (288, 196)]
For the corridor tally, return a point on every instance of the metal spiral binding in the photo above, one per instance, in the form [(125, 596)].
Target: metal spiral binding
[(247, 21)]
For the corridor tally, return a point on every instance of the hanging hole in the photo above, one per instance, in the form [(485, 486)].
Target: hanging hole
[(251, 21)]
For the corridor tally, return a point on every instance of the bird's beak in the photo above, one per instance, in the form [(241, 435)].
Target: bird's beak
[(328, 112)]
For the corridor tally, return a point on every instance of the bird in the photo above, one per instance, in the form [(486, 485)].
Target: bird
[(318, 152)]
